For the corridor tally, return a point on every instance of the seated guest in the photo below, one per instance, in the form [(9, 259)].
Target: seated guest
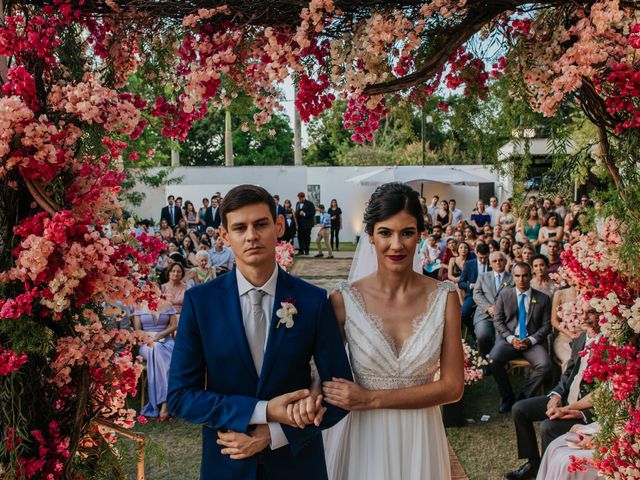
[(202, 272), (554, 249), (506, 219), (166, 232), (221, 257), (174, 289), (480, 217), (561, 309), (568, 404), (160, 324), (552, 230), (468, 277), (449, 253), (527, 254), (559, 455), (522, 321), (485, 294), (430, 253), (456, 213), (541, 280), (516, 253)]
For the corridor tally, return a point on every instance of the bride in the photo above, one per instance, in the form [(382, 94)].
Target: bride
[(400, 328)]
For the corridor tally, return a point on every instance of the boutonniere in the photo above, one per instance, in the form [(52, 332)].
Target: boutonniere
[(286, 314), (505, 284), (533, 301)]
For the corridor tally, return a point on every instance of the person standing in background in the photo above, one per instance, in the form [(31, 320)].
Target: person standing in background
[(323, 234), (335, 213), (305, 213)]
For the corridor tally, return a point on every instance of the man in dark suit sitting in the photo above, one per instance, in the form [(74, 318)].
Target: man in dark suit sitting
[(566, 405), (523, 321), (468, 278)]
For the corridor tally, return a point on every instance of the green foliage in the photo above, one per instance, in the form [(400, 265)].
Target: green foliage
[(204, 144)]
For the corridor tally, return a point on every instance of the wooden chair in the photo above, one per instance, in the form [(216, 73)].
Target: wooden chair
[(139, 438), (518, 365)]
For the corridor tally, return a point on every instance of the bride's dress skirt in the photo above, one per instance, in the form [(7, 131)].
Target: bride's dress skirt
[(388, 445)]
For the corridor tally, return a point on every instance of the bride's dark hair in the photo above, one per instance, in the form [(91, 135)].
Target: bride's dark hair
[(390, 199)]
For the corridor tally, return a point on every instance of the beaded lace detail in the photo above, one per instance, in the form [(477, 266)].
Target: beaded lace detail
[(378, 363)]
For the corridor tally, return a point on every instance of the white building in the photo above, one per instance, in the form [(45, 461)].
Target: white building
[(321, 184)]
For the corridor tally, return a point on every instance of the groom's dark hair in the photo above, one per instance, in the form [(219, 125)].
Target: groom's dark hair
[(244, 195), (390, 199)]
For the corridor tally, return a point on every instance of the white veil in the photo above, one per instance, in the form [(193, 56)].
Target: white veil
[(365, 261)]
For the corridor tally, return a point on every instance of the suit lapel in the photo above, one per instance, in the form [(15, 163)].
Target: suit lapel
[(232, 313), (276, 335)]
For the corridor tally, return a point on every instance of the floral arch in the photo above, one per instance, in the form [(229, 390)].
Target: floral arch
[(68, 118)]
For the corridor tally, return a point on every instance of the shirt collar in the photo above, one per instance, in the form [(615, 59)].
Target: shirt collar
[(527, 293), (269, 287)]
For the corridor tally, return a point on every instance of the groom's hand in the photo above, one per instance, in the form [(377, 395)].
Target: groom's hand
[(277, 407), (240, 446)]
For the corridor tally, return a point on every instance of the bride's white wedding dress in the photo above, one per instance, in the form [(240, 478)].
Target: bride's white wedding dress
[(391, 444)]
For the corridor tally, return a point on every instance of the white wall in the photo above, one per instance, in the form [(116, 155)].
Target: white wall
[(287, 181)]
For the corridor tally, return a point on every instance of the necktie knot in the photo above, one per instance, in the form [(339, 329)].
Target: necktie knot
[(255, 296)]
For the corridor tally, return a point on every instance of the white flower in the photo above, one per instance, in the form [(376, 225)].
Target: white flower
[(286, 314)]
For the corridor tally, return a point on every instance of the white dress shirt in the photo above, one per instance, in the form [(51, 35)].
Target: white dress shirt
[(482, 267), (456, 216), (494, 212), (259, 417), (527, 303)]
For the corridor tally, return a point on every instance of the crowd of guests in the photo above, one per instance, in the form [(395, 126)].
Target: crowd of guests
[(513, 302)]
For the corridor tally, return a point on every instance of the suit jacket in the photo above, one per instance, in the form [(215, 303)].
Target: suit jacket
[(279, 210), (562, 389), (538, 318), (308, 219), (212, 219), (485, 294), (166, 214), (469, 275), (213, 381)]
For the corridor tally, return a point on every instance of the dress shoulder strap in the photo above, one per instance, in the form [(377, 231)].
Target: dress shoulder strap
[(447, 286)]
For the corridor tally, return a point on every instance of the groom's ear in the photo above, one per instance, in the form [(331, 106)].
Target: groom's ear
[(224, 234)]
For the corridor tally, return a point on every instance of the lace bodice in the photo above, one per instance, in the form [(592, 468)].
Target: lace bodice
[(379, 364)]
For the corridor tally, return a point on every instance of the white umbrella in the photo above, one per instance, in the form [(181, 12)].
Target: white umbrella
[(427, 174)]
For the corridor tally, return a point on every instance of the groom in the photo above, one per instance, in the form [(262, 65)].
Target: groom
[(237, 364)]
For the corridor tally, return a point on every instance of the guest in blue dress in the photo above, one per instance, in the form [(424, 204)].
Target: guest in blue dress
[(160, 324)]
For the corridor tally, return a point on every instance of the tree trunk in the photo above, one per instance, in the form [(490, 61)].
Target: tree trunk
[(605, 149), (297, 133), (228, 139)]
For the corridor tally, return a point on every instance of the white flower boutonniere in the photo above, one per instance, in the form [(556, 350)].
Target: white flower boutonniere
[(533, 301), (505, 284), (286, 314)]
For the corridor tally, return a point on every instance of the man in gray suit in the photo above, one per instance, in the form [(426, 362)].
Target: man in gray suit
[(523, 322), (485, 294)]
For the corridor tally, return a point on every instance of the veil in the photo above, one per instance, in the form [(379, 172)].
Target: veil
[(365, 261)]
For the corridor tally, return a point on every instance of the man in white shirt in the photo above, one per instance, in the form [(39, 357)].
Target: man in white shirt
[(456, 214), (493, 210), (433, 208)]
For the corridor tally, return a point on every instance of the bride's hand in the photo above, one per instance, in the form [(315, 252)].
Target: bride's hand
[(346, 395), (307, 411)]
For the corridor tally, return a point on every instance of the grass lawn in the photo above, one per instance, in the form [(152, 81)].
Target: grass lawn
[(486, 449)]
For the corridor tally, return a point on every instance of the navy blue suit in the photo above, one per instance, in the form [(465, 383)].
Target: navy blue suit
[(468, 276), (213, 381)]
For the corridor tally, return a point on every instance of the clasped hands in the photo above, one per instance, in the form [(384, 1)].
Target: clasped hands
[(522, 345), (309, 409), (555, 410)]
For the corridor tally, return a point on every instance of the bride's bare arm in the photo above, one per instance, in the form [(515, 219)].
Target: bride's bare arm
[(448, 389), (337, 302)]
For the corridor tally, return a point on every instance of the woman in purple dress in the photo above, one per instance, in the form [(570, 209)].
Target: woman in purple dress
[(160, 324)]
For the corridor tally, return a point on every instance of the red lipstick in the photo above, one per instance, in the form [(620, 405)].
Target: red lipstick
[(396, 258)]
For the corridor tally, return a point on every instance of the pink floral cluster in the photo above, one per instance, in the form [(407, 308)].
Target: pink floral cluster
[(473, 363), (65, 263), (10, 361), (622, 88), (113, 369), (284, 255), (363, 115), (53, 450)]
